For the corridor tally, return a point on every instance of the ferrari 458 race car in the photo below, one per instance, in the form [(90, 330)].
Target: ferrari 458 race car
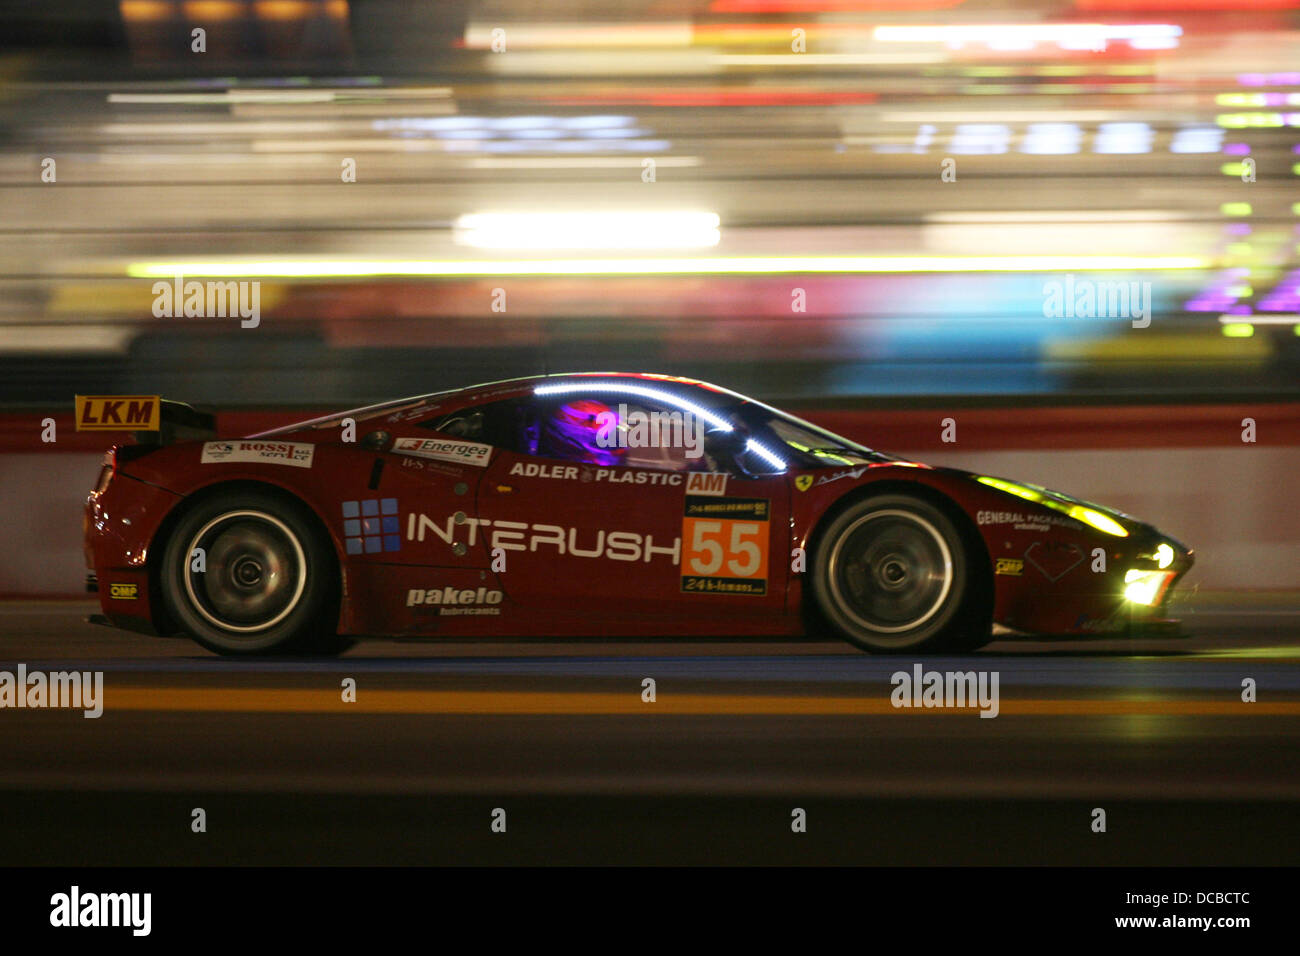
[(555, 506)]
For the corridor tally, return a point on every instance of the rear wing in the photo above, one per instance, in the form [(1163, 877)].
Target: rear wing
[(152, 419), (179, 422)]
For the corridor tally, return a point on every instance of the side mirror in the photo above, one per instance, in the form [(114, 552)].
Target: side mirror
[(469, 426), (376, 441), (726, 448)]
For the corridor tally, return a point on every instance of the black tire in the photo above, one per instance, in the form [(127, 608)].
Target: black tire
[(892, 575), (269, 585)]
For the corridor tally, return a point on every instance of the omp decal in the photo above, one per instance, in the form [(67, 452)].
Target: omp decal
[(706, 483), (371, 526), (124, 592), (116, 413), (726, 545), (445, 449), (803, 482), (1054, 559), (451, 601), (521, 536), (1010, 566), (295, 454)]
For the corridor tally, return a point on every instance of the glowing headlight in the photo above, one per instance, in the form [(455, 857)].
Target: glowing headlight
[(1095, 519), (1164, 555), (1089, 516), (1146, 587)]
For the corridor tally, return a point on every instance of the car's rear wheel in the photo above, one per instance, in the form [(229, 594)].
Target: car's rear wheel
[(891, 574), (251, 573)]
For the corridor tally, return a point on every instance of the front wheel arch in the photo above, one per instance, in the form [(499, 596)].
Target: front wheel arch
[(980, 593)]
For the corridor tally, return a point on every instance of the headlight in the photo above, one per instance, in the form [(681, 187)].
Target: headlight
[(1095, 519), (1164, 555), (1146, 587), (1089, 516)]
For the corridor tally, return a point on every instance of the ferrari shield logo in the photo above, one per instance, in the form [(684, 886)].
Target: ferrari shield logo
[(803, 482)]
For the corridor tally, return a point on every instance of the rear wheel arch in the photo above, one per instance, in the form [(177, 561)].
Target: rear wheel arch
[(164, 620)]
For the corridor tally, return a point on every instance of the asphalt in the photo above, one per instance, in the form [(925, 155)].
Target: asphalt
[(740, 736)]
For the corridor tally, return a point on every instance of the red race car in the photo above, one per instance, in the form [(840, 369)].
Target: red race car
[(593, 504)]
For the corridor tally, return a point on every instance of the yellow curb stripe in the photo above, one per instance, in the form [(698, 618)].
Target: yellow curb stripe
[(302, 701)]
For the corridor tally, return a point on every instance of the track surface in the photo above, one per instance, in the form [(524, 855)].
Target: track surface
[(741, 733)]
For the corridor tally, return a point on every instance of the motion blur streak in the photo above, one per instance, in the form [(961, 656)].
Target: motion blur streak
[(920, 169), (486, 702)]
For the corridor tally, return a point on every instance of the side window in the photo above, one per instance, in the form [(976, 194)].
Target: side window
[(502, 424), (586, 429)]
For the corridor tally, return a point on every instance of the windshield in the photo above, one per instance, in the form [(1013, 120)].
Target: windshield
[(801, 443)]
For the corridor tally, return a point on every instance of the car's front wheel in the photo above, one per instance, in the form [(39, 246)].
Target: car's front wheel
[(251, 573), (891, 574)]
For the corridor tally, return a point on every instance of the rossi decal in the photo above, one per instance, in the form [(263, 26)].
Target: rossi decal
[(725, 545), (296, 454), (445, 449)]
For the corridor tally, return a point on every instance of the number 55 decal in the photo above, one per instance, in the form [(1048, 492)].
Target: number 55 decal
[(726, 545)]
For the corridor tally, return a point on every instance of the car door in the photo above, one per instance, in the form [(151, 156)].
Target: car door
[(645, 534)]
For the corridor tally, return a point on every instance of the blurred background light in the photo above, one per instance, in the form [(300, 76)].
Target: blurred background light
[(588, 230)]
